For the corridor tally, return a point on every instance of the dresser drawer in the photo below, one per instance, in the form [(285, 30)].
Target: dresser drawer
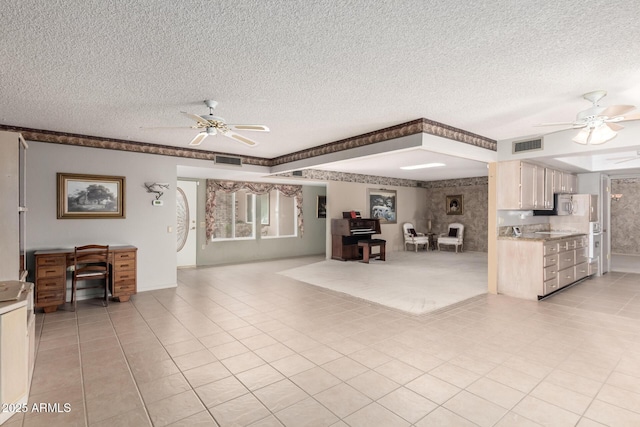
[(50, 271), (550, 273), (566, 276), (550, 260), (566, 259)]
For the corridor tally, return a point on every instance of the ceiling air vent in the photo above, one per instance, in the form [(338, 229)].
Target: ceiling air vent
[(226, 160), (529, 145)]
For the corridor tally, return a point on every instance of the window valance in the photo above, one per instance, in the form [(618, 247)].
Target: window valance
[(257, 188)]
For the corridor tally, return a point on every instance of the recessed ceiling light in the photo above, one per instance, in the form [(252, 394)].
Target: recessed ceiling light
[(424, 166)]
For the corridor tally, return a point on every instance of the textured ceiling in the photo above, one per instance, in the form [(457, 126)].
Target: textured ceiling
[(314, 72)]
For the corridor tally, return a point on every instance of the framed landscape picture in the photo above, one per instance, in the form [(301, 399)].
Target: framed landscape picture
[(83, 196), (454, 205), (382, 204)]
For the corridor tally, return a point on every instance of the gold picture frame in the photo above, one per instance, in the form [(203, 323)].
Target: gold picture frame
[(83, 196), (455, 205)]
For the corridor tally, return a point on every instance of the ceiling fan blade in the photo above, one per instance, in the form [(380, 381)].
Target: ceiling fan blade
[(195, 117), (630, 117), (231, 134), (257, 128), (556, 124), (199, 138), (589, 136), (617, 110), (614, 127), (165, 127)]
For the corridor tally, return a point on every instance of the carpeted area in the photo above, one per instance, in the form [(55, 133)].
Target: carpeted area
[(416, 283)]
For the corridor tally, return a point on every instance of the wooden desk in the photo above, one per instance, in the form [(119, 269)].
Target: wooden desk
[(51, 275)]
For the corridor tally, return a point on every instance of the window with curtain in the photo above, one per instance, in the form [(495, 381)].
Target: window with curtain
[(232, 207), (230, 210), (284, 216)]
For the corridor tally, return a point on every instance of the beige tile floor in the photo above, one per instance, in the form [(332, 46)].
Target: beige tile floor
[(243, 345)]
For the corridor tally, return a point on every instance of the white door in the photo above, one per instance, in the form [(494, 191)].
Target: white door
[(186, 197)]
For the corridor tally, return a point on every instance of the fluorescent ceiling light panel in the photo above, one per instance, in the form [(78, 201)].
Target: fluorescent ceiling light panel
[(424, 166)]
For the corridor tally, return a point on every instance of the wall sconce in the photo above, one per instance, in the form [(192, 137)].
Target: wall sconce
[(158, 188), (616, 197)]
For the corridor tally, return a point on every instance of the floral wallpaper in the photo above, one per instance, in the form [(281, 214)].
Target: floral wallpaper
[(475, 196), (625, 225)]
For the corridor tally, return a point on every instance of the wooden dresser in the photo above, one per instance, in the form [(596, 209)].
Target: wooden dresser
[(51, 275)]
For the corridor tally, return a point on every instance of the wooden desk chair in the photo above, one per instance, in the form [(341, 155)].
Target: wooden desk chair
[(90, 262)]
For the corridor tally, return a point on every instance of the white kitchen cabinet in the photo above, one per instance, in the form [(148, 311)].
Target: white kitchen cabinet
[(521, 186), (564, 182), (547, 195), (534, 268), (17, 334), (11, 216), (570, 182)]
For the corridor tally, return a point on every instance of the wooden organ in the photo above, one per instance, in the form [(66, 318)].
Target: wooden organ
[(347, 232)]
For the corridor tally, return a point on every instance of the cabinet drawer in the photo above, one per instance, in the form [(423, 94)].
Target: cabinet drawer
[(550, 273), (42, 261), (566, 277), (550, 260), (119, 275), (550, 248), (125, 264), (581, 243), (124, 287), (45, 298), (550, 286), (50, 271), (581, 270), (566, 259), (582, 255), (50, 260), (50, 284), (124, 255)]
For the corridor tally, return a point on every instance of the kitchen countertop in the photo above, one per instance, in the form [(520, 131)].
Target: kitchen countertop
[(535, 237)]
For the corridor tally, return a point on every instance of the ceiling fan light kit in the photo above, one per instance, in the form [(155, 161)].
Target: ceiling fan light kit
[(598, 124), (596, 136)]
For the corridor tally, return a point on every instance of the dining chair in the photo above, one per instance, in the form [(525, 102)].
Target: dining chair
[(90, 263)]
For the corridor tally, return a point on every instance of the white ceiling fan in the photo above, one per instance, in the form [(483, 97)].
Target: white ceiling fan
[(598, 124), (211, 125)]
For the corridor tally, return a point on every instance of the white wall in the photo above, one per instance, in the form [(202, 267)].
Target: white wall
[(348, 196), (145, 226)]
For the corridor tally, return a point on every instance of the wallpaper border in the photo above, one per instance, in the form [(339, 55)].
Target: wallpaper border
[(410, 128)]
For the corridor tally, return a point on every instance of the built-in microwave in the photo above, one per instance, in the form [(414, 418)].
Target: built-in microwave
[(562, 205)]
